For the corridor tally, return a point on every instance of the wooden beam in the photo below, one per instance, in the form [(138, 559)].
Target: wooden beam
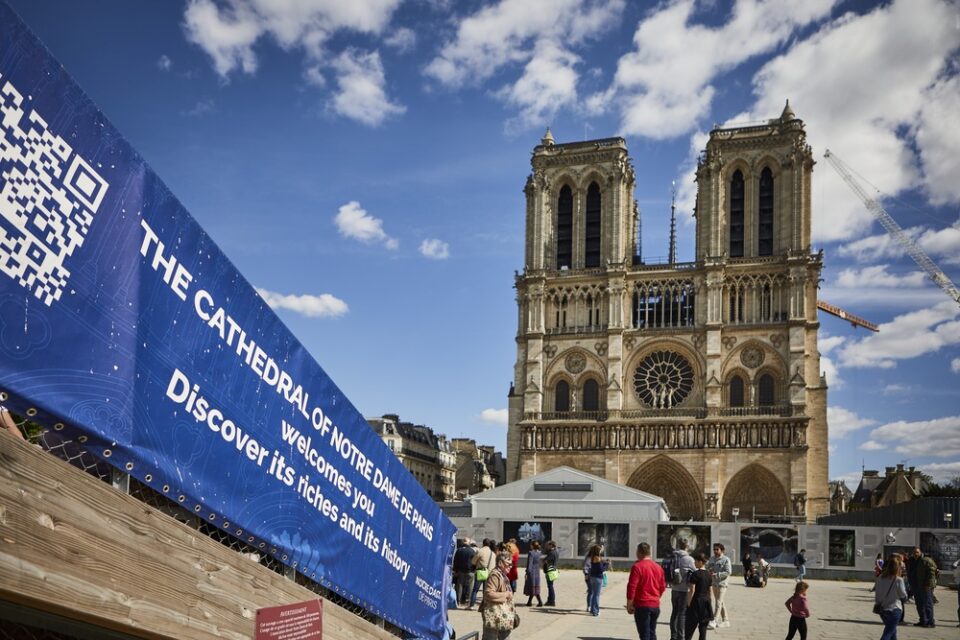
[(75, 547)]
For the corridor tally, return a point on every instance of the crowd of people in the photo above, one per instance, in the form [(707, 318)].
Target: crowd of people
[(698, 586)]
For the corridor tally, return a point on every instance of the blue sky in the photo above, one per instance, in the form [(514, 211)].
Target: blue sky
[(362, 163)]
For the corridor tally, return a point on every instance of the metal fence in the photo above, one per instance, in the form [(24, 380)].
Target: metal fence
[(74, 453)]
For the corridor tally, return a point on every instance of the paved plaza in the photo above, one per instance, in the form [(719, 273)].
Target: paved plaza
[(839, 611)]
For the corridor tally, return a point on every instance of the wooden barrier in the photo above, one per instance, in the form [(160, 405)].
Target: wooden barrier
[(73, 546)]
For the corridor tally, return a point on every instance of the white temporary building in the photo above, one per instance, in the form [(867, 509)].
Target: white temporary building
[(567, 493)]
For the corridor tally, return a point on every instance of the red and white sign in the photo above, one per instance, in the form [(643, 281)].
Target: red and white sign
[(300, 621)]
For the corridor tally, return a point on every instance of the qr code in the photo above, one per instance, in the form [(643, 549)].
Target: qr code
[(48, 197)]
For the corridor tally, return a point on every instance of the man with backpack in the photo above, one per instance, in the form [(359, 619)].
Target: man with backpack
[(677, 568), (800, 562)]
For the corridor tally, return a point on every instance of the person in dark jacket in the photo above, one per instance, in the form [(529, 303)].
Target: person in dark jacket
[(463, 570), (550, 559), (924, 581)]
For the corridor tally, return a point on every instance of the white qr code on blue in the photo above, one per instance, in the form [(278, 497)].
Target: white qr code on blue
[(48, 197)]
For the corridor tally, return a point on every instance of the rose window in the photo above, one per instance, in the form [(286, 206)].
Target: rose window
[(663, 379)]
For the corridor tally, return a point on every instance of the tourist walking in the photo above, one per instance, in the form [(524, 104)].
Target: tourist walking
[(463, 570), (889, 594), (926, 580), (644, 588), (497, 607), (598, 566), (699, 613), (956, 581), (799, 611), (747, 561), (550, 560), (586, 570), (720, 569), (800, 562), (531, 581), (681, 567), (483, 563), (511, 546)]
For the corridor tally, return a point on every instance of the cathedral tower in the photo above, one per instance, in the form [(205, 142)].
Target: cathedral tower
[(699, 382)]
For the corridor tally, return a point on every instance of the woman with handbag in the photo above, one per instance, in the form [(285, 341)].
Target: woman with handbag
[(550, 569), (499, 615), (483, 563), (889, 590)]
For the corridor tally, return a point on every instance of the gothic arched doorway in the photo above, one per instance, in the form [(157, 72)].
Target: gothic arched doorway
[(754, 489), (668, 479)]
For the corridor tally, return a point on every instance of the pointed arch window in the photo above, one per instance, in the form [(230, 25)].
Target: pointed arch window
[(736, 391), (765, 214), (766, 390), (736, 215), (561, 397), (591, 395), (565, 228), (592, 228)]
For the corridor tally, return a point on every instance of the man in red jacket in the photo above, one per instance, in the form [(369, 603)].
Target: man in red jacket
[(644, 588)]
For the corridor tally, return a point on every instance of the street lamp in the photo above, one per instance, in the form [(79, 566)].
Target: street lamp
[(736, 512)]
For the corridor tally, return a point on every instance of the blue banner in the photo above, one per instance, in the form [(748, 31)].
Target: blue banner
[(123, 325)]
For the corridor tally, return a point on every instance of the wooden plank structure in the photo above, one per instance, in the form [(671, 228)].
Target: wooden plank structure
[(72, 546)]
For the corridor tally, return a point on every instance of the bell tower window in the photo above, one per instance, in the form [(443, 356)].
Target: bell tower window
[(736, 215), (736, 391), (565, 228), (766, 390), (561, 397), (765, 214), (592, 229)]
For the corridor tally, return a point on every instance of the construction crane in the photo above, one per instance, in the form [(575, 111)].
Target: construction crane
[(856, 321), (911, 247)]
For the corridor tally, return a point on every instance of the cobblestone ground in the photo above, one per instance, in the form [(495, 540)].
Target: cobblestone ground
[(840, 611)]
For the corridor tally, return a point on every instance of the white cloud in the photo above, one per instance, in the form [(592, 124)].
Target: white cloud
[(851, 479), (548, 84), (402, 39), (662, 88), (495, 416), (435, 249), (164, 63), (322, 306), (361, 95), (539, 35), (842, 421), (955, 365), (863, 101), (941, 244), (877, 276), (938, 139), (896, 389), (229, 30), (829, 370), (202, 108), (354, 222), (937, 438), (829, 343), (942, 471), (906, 336)]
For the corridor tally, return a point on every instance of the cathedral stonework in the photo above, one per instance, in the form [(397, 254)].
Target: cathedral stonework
[(698, 382)]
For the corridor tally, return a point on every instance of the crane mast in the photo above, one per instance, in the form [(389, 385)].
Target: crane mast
[(894, 229)]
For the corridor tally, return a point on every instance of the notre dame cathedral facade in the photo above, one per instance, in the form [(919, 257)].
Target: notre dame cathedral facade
[(699, 382)]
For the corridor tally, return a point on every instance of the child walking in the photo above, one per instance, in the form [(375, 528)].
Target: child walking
[(799, 611)]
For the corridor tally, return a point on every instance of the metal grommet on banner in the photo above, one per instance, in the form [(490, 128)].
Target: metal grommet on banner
[(197, 508), (148, 477), (263, 544), (31, 412), (128, 466), (82, 439), (182, 498), (212, 517), (58, 426), (166, 488), (4, 396), (107, 453)]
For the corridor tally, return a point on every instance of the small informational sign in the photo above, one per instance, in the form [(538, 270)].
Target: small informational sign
[(300, 621)]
